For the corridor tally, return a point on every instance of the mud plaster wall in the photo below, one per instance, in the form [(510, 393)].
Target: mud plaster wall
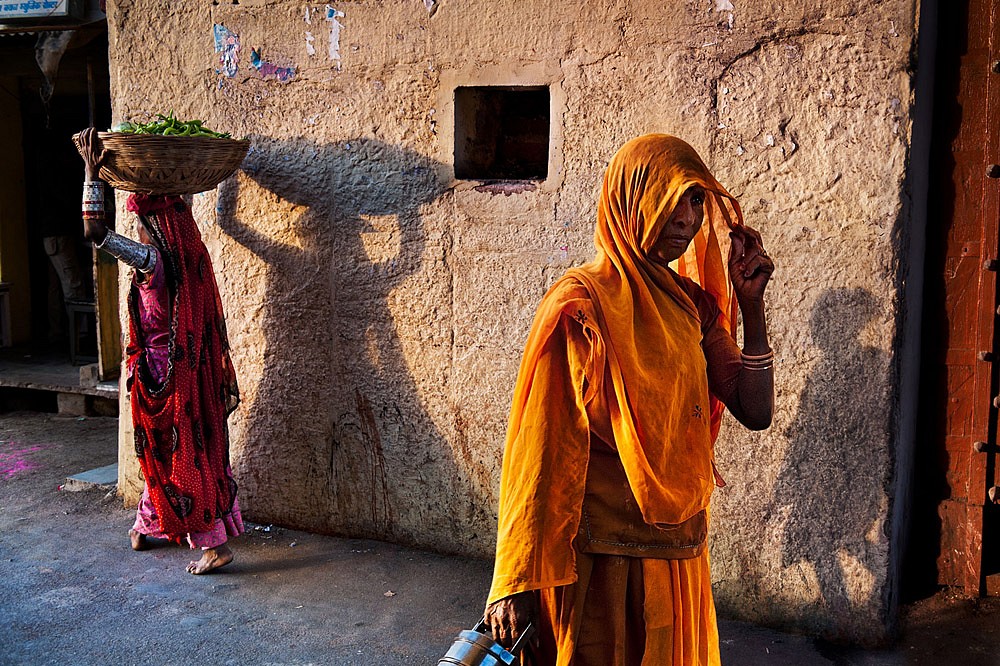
[(377, 308)]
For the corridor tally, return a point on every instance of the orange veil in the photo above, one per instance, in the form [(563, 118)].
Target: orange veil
[(642, 328)]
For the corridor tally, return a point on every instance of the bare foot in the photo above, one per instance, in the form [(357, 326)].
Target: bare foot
[(138, 540), (211, 559)]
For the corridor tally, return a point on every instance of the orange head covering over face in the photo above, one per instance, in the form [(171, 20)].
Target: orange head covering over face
[(644, 334)]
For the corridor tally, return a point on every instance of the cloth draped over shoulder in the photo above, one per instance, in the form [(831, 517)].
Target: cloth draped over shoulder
[(181, 432), (642, 327)]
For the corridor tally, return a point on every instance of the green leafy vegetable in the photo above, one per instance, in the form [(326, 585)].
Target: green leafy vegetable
[(168, 125)]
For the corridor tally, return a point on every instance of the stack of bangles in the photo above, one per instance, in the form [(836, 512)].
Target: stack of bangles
[(761, 362), (93, 199)]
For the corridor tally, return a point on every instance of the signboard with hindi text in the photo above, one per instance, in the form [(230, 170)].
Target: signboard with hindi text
[(35, 10)]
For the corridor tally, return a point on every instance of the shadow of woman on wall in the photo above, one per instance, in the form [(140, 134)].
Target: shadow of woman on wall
[(337, 435), (832, 486)]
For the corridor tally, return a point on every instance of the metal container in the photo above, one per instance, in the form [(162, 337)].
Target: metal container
[(474, 648)]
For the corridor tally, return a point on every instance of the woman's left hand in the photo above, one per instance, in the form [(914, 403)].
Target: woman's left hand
[(509, 617), (750, 267)]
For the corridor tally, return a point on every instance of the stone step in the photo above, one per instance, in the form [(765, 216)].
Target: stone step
[(102, 477)]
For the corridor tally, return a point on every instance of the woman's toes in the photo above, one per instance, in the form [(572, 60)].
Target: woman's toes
[(138, 540)]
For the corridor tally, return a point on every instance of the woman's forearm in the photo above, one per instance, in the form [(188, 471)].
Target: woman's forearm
[(137, 255), (755, 386), (754, 328), (130, 252), (94, 228)]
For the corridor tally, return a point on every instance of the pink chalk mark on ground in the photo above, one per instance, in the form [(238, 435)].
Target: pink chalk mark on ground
[(13, 461)]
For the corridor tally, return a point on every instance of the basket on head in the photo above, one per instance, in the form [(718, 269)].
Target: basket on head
[(153, 164)]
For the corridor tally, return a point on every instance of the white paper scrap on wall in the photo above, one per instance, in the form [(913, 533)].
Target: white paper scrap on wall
[(335, 27), (310, 49), (726, 6)]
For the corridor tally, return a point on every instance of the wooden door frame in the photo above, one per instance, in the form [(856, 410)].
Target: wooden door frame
[(955, 443)]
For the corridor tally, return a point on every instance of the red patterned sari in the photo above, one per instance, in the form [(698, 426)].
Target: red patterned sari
[(181, 432)]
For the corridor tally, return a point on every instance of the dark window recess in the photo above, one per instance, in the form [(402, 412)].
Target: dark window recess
[(502, 133)]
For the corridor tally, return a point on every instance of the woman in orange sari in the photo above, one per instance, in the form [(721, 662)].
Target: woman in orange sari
[(609, 465)]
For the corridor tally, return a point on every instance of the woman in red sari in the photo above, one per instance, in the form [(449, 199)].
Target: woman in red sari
[(181, 381)]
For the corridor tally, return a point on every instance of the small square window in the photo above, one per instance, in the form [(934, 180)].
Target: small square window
[(502, 133)]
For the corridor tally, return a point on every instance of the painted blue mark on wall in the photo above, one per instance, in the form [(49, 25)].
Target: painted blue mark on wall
[(227, 45), (269, 70)]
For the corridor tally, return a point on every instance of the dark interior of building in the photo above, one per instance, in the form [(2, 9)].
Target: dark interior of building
[(56, 84)]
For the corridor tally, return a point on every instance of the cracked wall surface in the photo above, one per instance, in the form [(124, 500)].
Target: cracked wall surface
[(377, 307)]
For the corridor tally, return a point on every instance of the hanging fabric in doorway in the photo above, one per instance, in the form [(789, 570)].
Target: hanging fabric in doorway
[(49, 51)]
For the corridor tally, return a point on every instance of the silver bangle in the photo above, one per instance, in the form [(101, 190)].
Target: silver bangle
[(135, 254)]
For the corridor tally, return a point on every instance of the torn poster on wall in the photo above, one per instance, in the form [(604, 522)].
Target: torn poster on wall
[(726, 6), (270, 70), (335, 27), (310, 49), (227, 45)]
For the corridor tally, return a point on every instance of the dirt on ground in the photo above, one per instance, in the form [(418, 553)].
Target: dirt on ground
[(72, 591)]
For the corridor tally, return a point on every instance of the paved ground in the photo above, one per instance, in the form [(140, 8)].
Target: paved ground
[(72, 592)]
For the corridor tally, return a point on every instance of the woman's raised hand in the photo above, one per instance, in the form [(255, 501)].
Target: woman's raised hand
[(93, 152), (750, 267), (93, 155)]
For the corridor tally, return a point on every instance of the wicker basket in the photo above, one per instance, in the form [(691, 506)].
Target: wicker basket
[(152, 164)]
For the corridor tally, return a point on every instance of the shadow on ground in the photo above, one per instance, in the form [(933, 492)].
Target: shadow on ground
[(71, 591)]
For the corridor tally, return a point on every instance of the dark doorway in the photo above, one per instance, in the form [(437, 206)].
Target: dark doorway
[(59, 259), (50, 275)]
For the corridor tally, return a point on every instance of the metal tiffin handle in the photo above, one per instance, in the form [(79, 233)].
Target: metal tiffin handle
[(521, 641)]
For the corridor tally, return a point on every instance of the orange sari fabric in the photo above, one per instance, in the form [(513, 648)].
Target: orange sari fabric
[(644, 334), (628, 611)]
